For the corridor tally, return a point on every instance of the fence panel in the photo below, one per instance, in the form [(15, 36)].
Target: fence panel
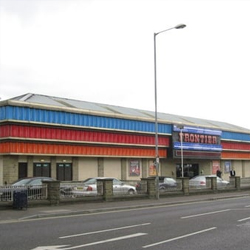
[(34, 192)]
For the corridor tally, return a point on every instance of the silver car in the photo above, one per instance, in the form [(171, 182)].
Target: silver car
[(199, 181), (89, 187)]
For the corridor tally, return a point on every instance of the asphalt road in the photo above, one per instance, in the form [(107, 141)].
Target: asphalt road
[(216, 224)]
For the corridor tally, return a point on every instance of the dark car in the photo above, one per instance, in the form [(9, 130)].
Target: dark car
[(166, 183), (31, 185)]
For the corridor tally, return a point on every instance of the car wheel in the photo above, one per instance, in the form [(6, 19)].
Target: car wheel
[(131, 191)]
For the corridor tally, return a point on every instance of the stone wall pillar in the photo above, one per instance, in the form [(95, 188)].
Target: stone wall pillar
[(213, 181), (99, 187), (235, 182), (107, 189), (53, 188), (144, 186), (185, 185), (151, 187)]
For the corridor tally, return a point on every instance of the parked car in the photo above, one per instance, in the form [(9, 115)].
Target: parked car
[(199, 181), (33, 186), (89, 187), (165, 183)]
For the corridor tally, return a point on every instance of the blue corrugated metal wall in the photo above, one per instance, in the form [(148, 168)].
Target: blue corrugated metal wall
[(235, 136), (60, 117)]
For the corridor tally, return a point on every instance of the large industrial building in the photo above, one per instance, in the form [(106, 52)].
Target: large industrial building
[(73, 140)]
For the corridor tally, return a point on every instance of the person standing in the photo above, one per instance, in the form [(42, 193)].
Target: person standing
[(218, 173)]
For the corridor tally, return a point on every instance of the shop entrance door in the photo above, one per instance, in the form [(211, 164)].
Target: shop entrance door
[(42, 169), (22, 170), (64, 171), (189, 170)]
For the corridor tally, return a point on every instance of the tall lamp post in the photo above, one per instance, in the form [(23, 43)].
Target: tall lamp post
[(181, 139), (157, 161)]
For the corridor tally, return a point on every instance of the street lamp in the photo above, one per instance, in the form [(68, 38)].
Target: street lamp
[(157, 161)]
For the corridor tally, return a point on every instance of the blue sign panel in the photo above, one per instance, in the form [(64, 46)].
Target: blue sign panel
[(197, 146), (198, 139), (194, 130)]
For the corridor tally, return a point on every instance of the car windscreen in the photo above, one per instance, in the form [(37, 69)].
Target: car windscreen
[(169, 180), (89, 181), (21, 182)]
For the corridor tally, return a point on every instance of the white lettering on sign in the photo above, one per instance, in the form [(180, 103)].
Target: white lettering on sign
[(197, 138)]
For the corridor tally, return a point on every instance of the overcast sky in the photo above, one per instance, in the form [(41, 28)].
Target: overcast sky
[(103, 51)]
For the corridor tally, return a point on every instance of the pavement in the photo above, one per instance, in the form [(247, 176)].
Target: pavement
[(9, 215)]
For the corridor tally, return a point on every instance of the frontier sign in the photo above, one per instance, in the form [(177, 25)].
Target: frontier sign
[(196, 142)]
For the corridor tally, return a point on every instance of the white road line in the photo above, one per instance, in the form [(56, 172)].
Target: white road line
[(106, 241), (244, 219), (247, 206), (214, 212), (103, 231), (180, 237)]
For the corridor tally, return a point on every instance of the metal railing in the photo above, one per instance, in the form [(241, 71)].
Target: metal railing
[(79, 189), (33, 192)]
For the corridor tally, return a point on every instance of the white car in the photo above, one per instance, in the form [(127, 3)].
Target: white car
[(89, 187), (199, 181)]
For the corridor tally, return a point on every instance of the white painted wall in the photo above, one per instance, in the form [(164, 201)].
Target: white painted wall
[(112, 167), (88, 167)]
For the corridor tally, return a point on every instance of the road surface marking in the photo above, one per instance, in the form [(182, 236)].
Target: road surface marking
[(92, 243), (103, 231), (180, 237), (56, 211), (89, 244), (214, 212), (244, 219), (50, 247)]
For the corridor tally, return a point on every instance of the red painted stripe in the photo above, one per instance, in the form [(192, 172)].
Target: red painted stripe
[(235, 145), (48, 133), (235, 155), (58, 149)]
